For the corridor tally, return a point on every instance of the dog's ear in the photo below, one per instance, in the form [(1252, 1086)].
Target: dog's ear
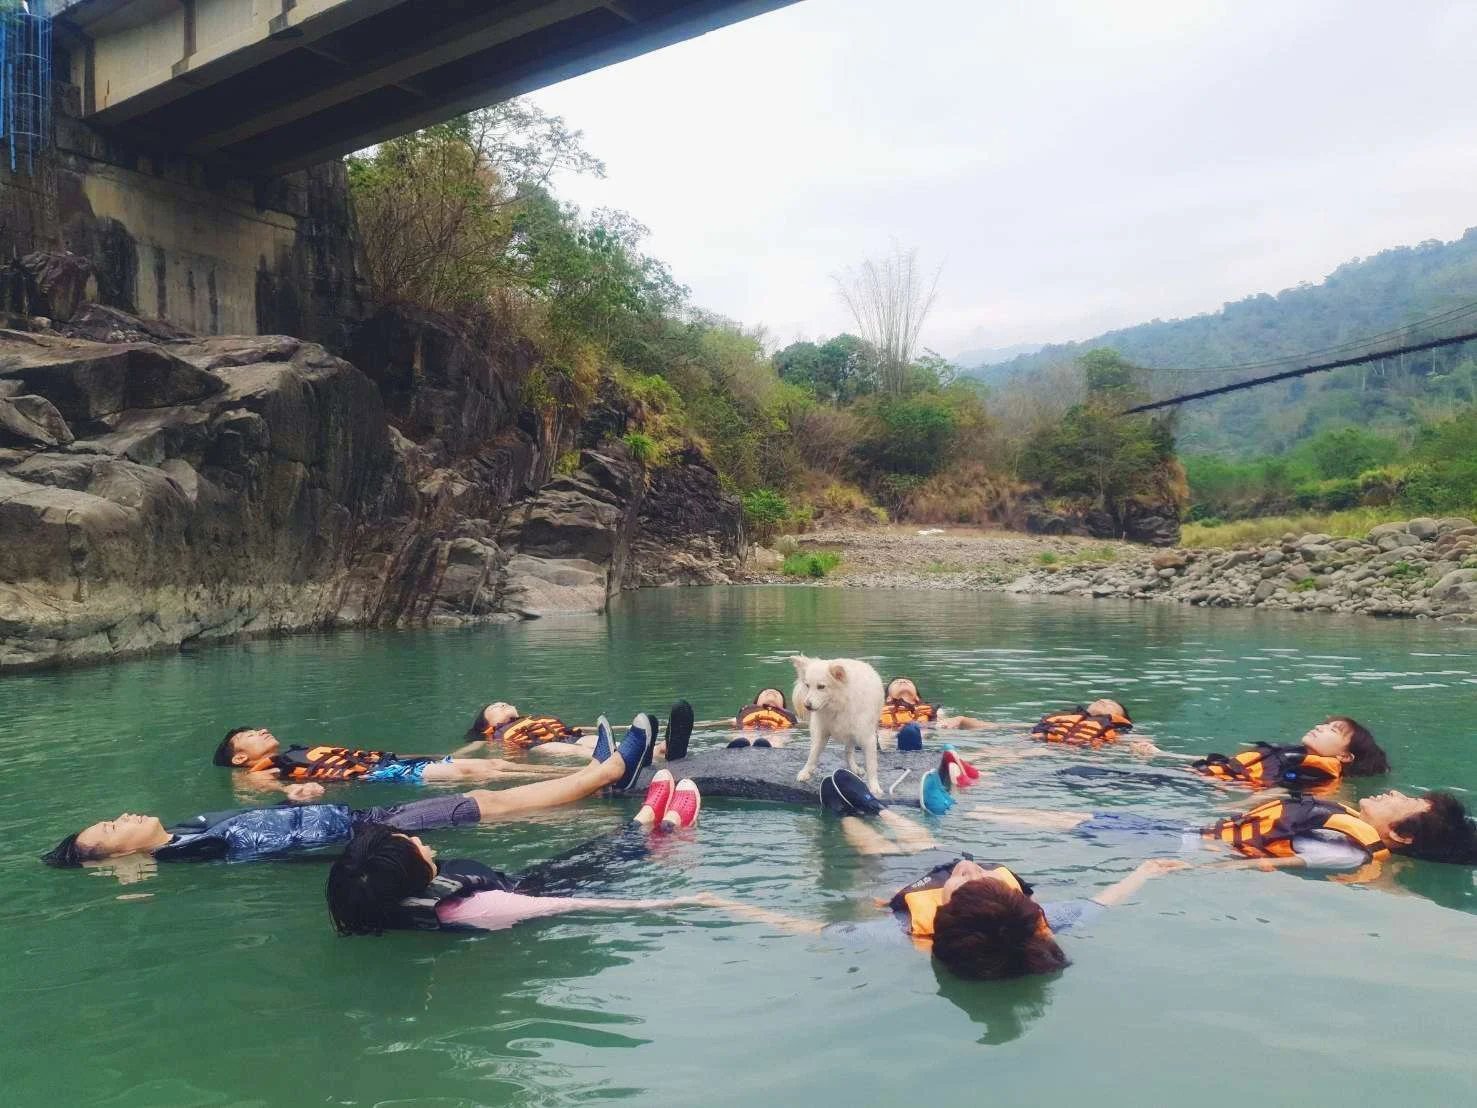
[(799, 661), (838, 673)]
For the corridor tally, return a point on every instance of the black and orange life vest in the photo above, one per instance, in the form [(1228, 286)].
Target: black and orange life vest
[(898, 713), (322, 763), (1077, 728), (1267, 765), (1268, 829), (529, 731), (919, 902), (755, 717)]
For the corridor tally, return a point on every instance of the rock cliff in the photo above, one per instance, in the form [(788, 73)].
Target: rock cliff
[(158, 489)]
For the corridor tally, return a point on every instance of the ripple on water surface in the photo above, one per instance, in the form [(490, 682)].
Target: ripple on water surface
[(225, 984)]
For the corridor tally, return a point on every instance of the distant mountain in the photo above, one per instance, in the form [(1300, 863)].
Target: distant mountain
[(989, 355), (1363, 297)]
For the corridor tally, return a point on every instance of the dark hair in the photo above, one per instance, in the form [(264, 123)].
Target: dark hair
[(379, 867), (478, 729), (1369, 758), (784, 703), (67, 854), (1442, 833), (988, 930), (223, 752)]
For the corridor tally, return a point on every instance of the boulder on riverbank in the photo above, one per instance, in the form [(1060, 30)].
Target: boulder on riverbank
[(1424, 568), (164, 490)]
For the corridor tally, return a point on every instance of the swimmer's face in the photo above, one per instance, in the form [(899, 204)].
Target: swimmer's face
[(963, 873), (128, 834), (904, 690), (1106, 708), (498, 714), (1382, 812), (251, 745), (1330, 740), (770, 698), (426, 852)]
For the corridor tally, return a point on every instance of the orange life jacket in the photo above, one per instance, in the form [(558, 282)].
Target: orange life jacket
[(322, 763), (921, 900), (529, 731), (897, 713), (753, 717), (1268, 829), (1077, 728), (1268, 765)]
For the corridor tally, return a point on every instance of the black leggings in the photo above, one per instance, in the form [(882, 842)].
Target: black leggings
[(601, 862)]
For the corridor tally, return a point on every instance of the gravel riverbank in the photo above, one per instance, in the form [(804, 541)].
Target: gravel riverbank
[(1423, 568)]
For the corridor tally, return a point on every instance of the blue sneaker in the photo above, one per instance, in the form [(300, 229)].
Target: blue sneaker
[(933, 794), (910, 737), (635, 749), (604, 741)]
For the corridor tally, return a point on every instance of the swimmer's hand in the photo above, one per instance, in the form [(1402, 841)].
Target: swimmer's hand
[(303, 792), (1158, 867)]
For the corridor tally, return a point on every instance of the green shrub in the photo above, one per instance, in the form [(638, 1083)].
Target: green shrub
[(1048, 558), (1402, 569), (816, 564), (1307, 584), (567, 463), (643, 448), (765, 511)]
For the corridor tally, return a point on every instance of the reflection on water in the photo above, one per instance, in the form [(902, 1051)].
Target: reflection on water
[(226, 984)]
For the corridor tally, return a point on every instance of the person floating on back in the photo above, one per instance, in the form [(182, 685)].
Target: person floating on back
[(1102, 722), (267, 764), (904, 706), (1296, 830), (387, 880), (768, 712), (980, 921), (1338, 747), (254, 833), (501, 724)]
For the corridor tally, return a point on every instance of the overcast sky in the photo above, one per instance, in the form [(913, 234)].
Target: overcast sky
[(1072, 166)]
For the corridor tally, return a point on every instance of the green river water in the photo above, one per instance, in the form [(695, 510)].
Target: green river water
[(226, 985)]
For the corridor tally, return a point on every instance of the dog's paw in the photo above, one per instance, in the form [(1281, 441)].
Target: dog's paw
[(804, 775), (874, 786)]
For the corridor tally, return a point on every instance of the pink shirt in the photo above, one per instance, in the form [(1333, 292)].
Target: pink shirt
[(494, 910)]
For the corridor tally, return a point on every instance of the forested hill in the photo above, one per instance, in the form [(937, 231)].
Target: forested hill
[(1366, 296)]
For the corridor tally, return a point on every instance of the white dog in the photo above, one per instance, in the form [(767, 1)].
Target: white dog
[(842, 698)]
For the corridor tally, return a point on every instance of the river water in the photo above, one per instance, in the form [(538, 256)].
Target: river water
[(214, 984)]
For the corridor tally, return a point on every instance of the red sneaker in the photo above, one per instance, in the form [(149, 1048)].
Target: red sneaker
[(684, 806), (658, 796)]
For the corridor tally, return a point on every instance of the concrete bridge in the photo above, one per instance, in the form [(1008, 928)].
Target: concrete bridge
[(264, 87)]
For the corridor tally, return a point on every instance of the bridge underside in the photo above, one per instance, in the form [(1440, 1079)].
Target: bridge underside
[(322, 78)]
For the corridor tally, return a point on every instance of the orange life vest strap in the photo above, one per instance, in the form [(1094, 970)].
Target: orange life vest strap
[(899, 713), (753, 717)]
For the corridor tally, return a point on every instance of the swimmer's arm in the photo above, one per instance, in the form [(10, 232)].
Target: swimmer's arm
[(268, 781), (1144, 746), (1027, 817), (471, 748), (1120, 891), (755, 914)]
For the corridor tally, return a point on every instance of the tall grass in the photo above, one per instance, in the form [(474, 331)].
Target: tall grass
[(1351, 524), (818, 564)]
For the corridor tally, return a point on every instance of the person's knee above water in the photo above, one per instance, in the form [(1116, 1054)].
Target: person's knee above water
[(1336, 748), (903, 706), (387, 880), (1101, 722), (267, 764), (263, 832), (768, 712)]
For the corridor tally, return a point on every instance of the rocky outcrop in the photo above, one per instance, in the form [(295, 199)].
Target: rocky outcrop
[(1421, 568), (1141, 521), (168, 490)]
